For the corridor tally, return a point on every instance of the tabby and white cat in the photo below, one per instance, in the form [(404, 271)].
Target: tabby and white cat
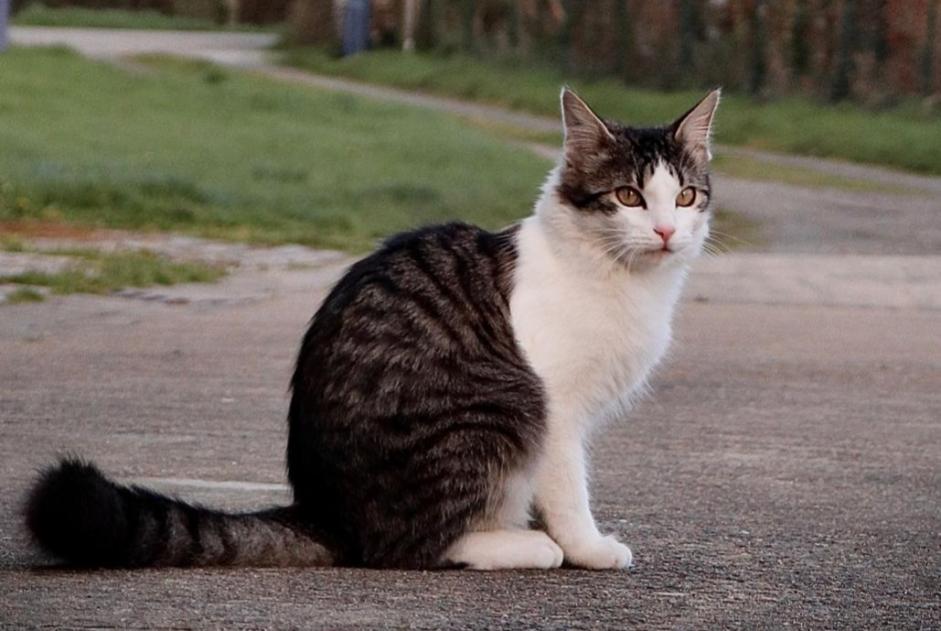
[(447, 387)]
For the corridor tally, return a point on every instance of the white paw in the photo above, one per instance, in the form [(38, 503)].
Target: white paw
[(548, 554), (599, 553), (506, 549)]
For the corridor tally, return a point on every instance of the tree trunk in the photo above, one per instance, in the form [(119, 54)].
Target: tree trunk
[(409, 18)]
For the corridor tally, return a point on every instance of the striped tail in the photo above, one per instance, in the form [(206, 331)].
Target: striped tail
[(78, 515)]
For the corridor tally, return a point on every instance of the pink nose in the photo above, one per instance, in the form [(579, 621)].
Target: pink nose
[(665, 232)]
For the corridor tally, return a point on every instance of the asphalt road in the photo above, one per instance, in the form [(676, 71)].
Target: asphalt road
[(786, 472)]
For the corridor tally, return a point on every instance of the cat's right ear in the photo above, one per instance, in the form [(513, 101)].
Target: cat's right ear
[(585, 133), (694, 128)]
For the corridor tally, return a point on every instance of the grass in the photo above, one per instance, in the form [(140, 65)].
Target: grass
[(193, 148), (96, 272), (903, 137), (37, 14), (22, 295)]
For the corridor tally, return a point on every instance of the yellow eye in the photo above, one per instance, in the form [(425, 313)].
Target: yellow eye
[(629, 196), (686, 197)]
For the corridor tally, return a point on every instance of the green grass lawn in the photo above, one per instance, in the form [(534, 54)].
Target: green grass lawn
[(95, 272), (193, 148), (22, 295), (37, 14), (904, 137)]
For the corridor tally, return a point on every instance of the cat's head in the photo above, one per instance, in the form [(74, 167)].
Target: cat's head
[(635, 196)]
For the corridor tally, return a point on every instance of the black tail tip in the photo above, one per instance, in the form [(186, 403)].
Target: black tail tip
[(75, 513)]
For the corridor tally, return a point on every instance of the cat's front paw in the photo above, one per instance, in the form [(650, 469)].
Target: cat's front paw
[(599, 553)]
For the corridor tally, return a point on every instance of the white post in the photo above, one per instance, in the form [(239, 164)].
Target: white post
[(4, 21), (410, 8)]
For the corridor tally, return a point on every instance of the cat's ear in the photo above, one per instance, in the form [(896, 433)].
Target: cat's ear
[(694, 128), (585, 133)]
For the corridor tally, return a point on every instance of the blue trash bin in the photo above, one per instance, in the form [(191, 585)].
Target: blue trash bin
[(4, 23), (355, 27)]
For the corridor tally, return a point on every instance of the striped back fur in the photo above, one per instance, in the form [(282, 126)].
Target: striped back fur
[(412, 401)]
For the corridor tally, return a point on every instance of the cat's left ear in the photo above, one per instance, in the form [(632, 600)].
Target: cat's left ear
[(694, 128)]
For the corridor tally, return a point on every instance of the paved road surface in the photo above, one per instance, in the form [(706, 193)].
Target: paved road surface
[(787, 471)]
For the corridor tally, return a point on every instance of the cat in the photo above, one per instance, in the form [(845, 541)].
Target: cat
[(447, 387)]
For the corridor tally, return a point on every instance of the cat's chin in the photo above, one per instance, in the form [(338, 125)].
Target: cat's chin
[(651, 259)]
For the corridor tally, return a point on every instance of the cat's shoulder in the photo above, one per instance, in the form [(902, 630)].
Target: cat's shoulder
[(431, 255), (448, 235)]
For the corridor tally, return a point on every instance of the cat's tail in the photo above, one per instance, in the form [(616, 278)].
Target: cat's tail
[(78, 515)]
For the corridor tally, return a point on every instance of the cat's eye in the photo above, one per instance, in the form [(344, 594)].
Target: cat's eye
[(629, 196), (686, 197)]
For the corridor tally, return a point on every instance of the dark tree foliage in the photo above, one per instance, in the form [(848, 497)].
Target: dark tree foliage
[(468, 11), (513, 36), (927, 56), (262, 11), (625, 40), (841, 87), (692, 30), (800, 39), (163, 6), (879, 40), (836, 49), (758, 62), (425, 35), (312, 22)]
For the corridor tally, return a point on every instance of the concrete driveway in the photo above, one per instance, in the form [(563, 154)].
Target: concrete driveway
[(787, 470)]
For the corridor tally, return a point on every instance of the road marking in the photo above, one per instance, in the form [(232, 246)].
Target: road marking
[(229, 485)]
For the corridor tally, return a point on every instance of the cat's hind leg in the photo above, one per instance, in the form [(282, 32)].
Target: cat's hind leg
[(505, 549)]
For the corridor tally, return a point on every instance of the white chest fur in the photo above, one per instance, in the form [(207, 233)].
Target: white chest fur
[(591, 335)]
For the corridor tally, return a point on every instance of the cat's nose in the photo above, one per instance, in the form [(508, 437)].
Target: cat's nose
[(665, 232)]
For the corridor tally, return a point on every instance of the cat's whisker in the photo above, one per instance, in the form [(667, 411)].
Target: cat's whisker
[(716, 239), (710, 251), (715, 248), (726, 235), (612, 248)]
